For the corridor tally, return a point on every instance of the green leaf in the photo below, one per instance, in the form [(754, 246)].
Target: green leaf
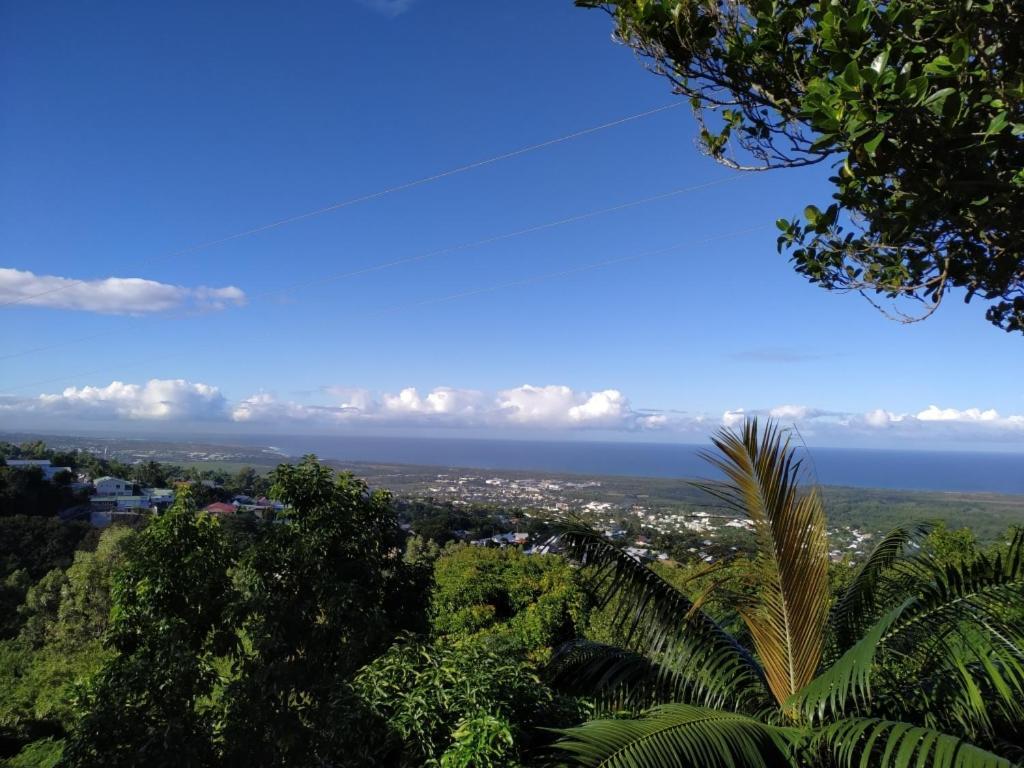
[(848, 680), (940, 65), (851, 75), (880, 61), (959, 52), (871, 146), (939, 96), (997, 123)]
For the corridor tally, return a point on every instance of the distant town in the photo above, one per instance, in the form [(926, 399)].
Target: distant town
[(652, 518)]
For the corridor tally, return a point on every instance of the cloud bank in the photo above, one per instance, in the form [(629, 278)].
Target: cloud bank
[(156, 400), (524, 408), (931, 423), (111, 295), (552, 406)]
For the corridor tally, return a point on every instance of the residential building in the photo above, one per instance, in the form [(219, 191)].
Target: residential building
[(159, 497), (112, 486), (219, 508)]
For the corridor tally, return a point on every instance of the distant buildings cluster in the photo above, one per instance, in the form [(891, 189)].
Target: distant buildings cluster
[(115, 499), (262, 507)]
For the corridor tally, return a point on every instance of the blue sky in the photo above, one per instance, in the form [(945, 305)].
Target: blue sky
[(132, 132)]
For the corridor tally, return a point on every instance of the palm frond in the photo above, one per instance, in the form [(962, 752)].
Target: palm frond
[(856, 609), (892, 744), (964, 632), (660, 622), (678, 736), (615, 678), (787, 617), (846, 683), (985, 594), (976, 689)]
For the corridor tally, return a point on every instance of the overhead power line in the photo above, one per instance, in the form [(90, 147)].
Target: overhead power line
[(343, 275), (331, 277), (371, 196)]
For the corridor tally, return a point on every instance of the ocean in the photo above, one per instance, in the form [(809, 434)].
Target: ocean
[(895, 469)]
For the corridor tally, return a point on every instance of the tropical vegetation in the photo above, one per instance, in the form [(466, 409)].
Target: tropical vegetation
[(916, 661)]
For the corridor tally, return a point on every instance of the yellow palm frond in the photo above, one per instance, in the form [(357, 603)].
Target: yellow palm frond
[(787, 616)]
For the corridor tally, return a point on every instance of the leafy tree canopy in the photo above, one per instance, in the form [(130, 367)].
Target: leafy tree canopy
[(917, 104), (168, 625), (533, 601), (320, 594), (455, 703), (65, 616)]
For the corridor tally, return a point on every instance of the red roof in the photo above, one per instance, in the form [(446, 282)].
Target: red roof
[(219, 508)]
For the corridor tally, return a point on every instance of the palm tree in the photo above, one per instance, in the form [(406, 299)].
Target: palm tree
[(916, 663)]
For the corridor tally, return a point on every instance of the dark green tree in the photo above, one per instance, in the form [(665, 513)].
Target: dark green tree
[(150, 705), (26, 491), (150, 474), (30, 547), (322, 593), (917, 104)]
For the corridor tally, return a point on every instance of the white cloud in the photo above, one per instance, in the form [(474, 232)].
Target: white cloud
[(789, 412), (265, 408), (933, 423), (733, 418), (608, 405), (441, 401), (880, 418), (111, 295), (934, 413), (156, 400)]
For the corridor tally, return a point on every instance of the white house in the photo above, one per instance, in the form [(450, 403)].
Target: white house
[(112, 486), (159, 496)]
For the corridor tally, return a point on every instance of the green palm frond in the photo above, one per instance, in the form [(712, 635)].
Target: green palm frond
[(879, 743), (615, 678), (660, 622), (787, 617), (977, 689), (846, 684), (986, 594), (678, 736), (964, 631), (857, 607)]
